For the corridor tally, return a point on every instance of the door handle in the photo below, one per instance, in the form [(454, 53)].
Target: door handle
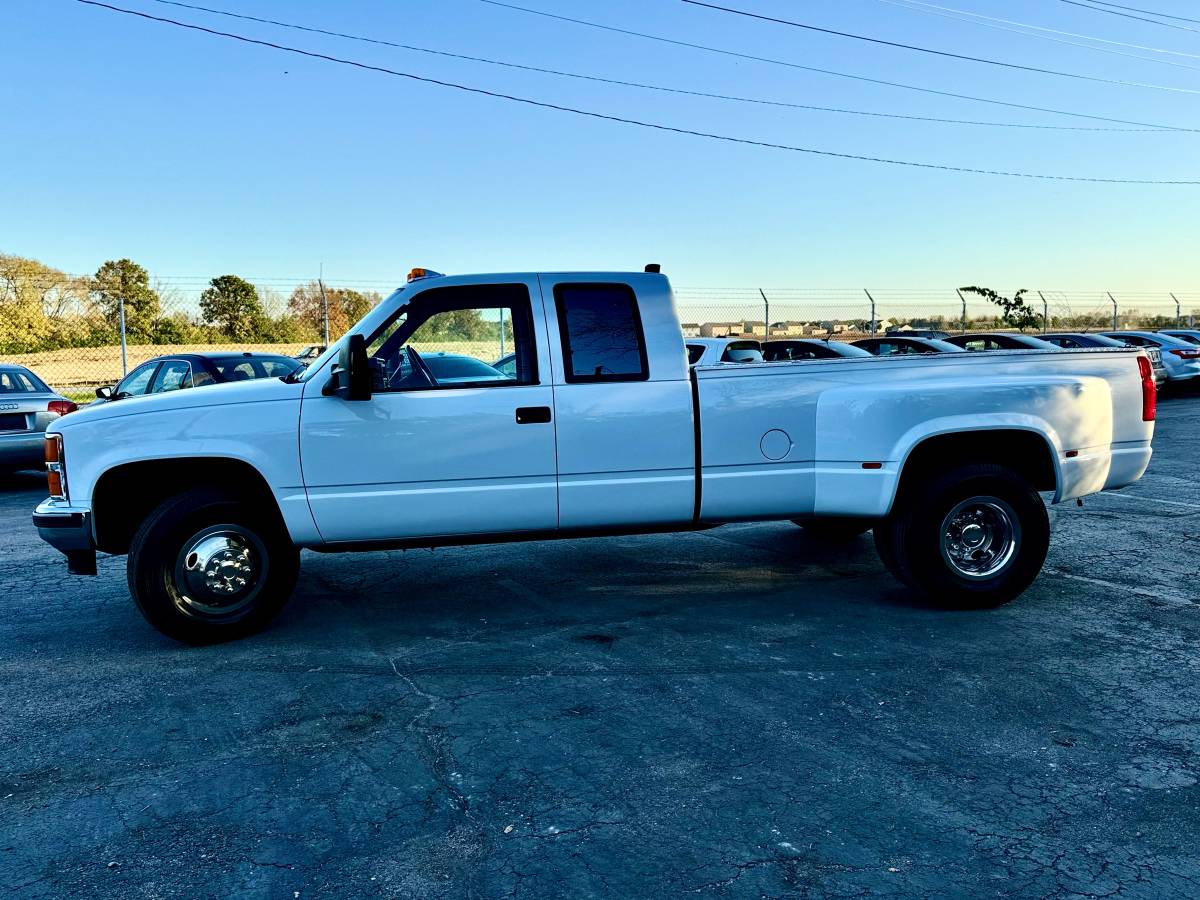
[(533, 415)]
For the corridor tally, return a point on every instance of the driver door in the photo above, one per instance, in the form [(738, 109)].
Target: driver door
[(447, 444)]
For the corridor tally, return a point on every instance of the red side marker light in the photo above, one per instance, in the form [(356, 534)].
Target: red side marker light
[(872, 465)]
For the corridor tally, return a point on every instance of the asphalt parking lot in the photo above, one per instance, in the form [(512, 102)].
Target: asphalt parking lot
[(740, 712)]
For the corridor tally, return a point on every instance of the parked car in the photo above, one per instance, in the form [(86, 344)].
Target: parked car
[(1000, 340), (711, 351), (808, 348), (895, 345), (605, 429), (1180, 359), (918, 332), (1081, 340), (187, 370), (444, 368), (27, 406), (1191, 335), (1087, 341)]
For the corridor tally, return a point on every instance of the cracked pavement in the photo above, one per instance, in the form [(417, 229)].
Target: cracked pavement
[(740, 712)]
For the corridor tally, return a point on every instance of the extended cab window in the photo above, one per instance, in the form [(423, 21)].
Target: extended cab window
[(456, 337), (601, 332)]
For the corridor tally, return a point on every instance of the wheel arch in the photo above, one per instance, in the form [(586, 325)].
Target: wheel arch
[(1027, 451), (125, 494)]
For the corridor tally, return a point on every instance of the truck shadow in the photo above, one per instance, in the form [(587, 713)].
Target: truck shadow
[(706, 585)]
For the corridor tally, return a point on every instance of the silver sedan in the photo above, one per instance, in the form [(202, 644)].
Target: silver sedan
[(27, 406)]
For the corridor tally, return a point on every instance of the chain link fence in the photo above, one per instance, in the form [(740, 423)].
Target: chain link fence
[(82, 332)]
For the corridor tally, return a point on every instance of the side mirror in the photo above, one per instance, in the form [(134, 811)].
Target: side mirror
[(352, 372), (104, 393)]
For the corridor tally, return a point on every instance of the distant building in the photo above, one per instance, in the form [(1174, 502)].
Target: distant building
[(793, 329), (720, 329)]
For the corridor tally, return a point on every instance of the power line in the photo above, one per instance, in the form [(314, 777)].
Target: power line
[(644, 86), (1149, 12), (621, 119), (1113, 12), (794, 65), (976, 59), (1027, 29)]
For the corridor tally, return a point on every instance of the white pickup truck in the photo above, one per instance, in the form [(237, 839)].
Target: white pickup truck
[(602, 429)]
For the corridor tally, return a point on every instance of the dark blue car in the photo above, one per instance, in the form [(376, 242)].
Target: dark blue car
[(180, 371)]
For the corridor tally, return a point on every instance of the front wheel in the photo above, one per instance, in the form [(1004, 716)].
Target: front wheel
[(975, 537), (206, 567)]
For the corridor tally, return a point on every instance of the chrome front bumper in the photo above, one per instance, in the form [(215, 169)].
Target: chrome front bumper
[(69, 530)]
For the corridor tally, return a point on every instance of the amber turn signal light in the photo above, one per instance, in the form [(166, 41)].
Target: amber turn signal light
[(55, 476)]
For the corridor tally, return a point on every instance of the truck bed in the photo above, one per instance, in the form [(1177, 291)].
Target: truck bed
[(829, 437)]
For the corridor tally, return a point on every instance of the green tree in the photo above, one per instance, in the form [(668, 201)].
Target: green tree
[(123, 279), (1014, 311), (32, 297), (232, 305), (175, 329)]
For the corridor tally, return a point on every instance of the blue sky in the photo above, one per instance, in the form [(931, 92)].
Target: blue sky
[(198, 156)]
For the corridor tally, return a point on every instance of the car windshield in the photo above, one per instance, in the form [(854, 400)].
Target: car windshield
[(1185, 336), (17, 381)]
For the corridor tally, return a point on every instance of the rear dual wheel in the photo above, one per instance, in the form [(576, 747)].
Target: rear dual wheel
[(974, 537)]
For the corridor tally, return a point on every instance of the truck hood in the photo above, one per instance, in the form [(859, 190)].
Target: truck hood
[(263, 390)]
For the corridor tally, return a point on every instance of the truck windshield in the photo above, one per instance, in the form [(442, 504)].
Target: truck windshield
[(366, 327)]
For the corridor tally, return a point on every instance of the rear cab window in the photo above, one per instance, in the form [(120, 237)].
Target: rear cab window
[(601, 331)]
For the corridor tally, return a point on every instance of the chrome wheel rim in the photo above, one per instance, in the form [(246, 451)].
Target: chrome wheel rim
[(219, 571), (980, 537)]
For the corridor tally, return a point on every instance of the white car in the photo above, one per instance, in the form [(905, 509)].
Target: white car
[(1180, 357), (711, 351), (604, 428)]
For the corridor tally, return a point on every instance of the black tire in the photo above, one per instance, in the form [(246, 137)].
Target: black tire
[(931, 550), (238, 544), (835, 530)]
